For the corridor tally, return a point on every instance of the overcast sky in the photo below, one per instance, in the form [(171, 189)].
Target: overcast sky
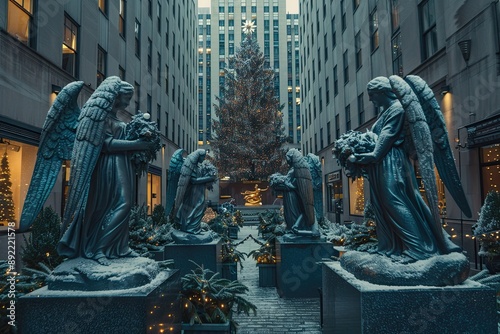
[(292, 6)]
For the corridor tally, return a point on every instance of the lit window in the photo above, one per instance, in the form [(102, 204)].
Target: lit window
[(374, 30), (103, 6), (429, 36), (153, 191), (19, 19), (121, 19), (69, 46), (397, 55)]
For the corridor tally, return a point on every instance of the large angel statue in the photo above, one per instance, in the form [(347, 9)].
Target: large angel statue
[(196, 175), (298, 198), (409, 230), (101, 185)]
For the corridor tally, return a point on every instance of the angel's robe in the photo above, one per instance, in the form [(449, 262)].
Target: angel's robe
[(404, 221), (103, 229)]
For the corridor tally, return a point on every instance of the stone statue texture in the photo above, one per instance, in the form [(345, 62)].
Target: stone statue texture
[(101, 187), (317, 184), (298, 198), (408, 230)]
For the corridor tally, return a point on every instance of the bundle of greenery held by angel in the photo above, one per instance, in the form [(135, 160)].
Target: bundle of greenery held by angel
[(206, 168), (141, 128), (350, 143)]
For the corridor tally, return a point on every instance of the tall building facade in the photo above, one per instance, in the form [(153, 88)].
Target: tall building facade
[(453, 47), (219, 36), (47, 44)]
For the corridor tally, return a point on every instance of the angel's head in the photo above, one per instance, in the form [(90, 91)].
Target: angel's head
[(295, 158), (380, 92), (125, 93)]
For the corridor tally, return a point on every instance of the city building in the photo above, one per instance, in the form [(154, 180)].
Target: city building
[(219, 36), (47, 44), (453, 46)]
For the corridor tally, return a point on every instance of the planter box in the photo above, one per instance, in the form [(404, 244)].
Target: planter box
[(232, 232), (230, 271), (206, 328), (267, 275)]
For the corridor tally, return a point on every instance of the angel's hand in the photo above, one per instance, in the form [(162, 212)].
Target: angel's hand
[(142, 145), (363, 158)]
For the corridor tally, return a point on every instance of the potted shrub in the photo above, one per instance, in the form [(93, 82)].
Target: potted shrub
[(265, 256), (230, 258), (487, 230), (209, 301), (235, 224)]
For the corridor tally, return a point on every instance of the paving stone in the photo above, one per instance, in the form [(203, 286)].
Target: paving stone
[(274, 314)]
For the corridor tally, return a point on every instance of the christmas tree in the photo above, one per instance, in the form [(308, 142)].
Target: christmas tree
[(249, 130), (6, 201)]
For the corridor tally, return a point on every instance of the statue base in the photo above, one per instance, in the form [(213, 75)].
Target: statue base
[(88, 275), (206, 254), (354, 306), (153, 306), (180, 237), (439, 270), (298, 266)]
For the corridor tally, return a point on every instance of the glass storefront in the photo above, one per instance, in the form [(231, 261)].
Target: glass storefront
[(357, 197), (490, 169), (17, 161)]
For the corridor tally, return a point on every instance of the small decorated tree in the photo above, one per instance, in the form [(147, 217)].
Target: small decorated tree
[(487, 228), (6, 200)]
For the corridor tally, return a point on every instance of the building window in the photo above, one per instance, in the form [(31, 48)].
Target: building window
[(103, 6), (328, 134), (17, 161), (334, 37), (357, 43), (361, 109), (101, 65), (374, 30), (335, 81), (19, 19), (343, 18), (357, 197), (137, 34), (337, 126), (121, 19), (395, 15), (397, 55), (69, 46), (153, 191), (348, 117), (121, 73), (355, 5), (429, 34), (137, 92), (346, 67), (158, 68), (150, 55), (490, 168)]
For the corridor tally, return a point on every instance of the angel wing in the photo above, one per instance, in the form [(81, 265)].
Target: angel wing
[(422, 140), (189, 165), (87, 148), (174, 173), (443, 157), (315, 169), (56, 144), (304, 184)]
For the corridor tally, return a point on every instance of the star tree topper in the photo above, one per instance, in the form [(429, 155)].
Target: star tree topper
[(249, 27)]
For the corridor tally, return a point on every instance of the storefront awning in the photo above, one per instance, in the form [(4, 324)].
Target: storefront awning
[(484, 132)]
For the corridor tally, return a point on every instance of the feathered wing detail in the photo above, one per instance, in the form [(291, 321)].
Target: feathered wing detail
[(188, 167), (421, 137), (443, 157), (89, 139), (56, 145), (174, 173), (304, 185)]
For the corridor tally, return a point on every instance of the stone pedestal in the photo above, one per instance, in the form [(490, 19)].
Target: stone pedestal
[(134, 310), (208, 254), (298, 266), (354, 306)]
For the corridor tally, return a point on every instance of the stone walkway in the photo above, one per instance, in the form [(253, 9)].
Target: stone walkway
[(274, 314)]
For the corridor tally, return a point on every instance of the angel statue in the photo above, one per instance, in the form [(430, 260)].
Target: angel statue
[(316, 175), (409, 230), (196, 175), (102, 177), (298, 198)]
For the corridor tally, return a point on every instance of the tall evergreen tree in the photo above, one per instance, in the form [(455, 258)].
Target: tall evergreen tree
[(249, 131), (6, 201)]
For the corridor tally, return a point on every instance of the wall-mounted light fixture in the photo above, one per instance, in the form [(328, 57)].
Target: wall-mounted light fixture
[(56, 89), (445, 89), (465, 46)]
